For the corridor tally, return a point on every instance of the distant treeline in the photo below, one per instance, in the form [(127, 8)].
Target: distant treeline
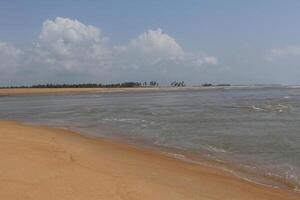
[(182, 84), (113, 85), (91, 85)]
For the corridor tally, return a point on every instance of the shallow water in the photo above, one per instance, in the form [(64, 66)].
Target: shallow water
[(257, 128)]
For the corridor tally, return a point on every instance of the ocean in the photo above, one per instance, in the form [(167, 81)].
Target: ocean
[(253, 132)]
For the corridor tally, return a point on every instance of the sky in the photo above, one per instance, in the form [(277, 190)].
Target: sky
[(106, 41)]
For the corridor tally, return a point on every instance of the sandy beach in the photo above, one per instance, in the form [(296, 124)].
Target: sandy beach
[(13, 91), (48, 163), (17, 91)]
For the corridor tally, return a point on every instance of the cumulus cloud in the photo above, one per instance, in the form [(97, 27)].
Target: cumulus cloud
[(277, 53), (155, 42), (69, 45), (9, 56), (68, 50), (10, 59), (69, 31), (158, 55), (154, 47), (160, 46)]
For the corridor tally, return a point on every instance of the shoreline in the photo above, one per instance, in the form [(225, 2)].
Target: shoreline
[(71, 160), (198, 158), (32, 91)]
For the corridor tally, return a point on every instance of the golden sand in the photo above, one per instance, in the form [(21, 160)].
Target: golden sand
[(10, 91), (14, 91), (40, 163)]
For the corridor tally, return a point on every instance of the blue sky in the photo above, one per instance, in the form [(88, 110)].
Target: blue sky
[(252, 41)]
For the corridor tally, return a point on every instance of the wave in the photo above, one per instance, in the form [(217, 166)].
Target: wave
[(268, 107), (215, 149), (257, 108), (128, 120)]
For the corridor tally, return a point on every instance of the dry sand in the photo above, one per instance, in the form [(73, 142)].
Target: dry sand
[(46, 163), (14, 91), (9, 91)]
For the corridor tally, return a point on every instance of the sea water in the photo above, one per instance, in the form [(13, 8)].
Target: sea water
[(254, 128)]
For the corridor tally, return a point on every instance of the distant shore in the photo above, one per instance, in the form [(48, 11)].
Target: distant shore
[(11, 91), (39, 162), (15, 91)]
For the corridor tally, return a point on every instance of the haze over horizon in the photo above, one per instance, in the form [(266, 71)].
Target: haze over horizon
[(237, 42)]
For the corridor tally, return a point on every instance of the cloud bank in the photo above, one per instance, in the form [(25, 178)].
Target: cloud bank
[(70, 51)]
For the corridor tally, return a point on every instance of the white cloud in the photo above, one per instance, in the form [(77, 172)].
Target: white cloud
[(154, 47), (69, 45), (10, 58), (156, 55), (155, 42), (277, 53), (69, 31), (160, 46), (68, 50)]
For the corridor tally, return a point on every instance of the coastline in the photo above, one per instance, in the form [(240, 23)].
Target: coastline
[(24, 91), (19, 91), (39, 162)]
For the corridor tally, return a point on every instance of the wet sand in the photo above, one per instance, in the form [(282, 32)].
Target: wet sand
[(47, 163)]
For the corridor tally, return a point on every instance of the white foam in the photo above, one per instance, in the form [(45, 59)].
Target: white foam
[(176, 155), (215, 149), (257, 108)]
